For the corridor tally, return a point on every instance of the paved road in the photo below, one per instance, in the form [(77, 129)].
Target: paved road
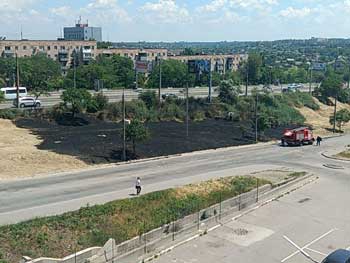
[(116, 95), (24, 199)]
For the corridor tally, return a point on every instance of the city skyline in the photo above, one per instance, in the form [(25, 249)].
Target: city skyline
[(178, 20)]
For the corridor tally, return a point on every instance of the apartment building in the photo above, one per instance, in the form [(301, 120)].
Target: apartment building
[(60, 50), (133, 54), (219, 63)]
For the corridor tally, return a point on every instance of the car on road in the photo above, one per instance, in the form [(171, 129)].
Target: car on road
[(338, 256), (27, 102), (10, 93), (169, 96)]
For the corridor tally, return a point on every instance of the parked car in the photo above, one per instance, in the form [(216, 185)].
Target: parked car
[(338, 256), (27, 102)]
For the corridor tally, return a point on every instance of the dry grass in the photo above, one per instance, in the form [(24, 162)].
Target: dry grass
[(345, 154), (319, 120), (19, 156)]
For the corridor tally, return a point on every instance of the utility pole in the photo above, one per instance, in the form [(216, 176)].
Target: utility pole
[(247, 80), (310, 79), (160, 79), (187, 117), (17, 80), (210, 82), (335, 112), (124, 126), (75, 70), (256, 117)]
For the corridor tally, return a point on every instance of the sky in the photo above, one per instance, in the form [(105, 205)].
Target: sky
[(179, 20)]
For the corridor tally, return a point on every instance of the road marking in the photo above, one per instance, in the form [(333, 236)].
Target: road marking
[(301, 250), (317, 252)]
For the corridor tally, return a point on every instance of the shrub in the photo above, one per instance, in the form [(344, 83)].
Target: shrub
[(10, 114), (97, 103), (171, 111), (114, 111), (149, 98), (137, 109)]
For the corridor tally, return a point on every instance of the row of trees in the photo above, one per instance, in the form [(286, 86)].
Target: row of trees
[(42, 73)]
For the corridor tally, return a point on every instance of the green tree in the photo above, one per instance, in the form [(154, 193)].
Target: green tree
[(2, 97), (136, 132), (174, 74), (342, 117), (229, 91), (37, 71), (77, 100), (330, 87), (254, 68), (149, 98), (124, 71)]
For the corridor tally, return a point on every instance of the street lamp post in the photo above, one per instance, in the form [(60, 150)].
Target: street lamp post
[(124, 126), (160, 79)]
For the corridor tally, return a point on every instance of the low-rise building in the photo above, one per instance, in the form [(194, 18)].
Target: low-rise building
[(60, 50)]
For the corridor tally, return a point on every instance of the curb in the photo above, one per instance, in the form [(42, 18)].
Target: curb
[(324, 154), (308, 179)]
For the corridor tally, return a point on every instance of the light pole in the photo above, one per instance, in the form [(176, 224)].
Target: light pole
[(187, 117), (247, 80), (124, 126), (17, 80), (210, 82), (310, 78), (256, 117), (160, 79), (335, 112)]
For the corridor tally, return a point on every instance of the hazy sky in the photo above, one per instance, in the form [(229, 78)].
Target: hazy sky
[(179, 20)]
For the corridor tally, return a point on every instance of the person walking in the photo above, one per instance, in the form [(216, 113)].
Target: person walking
[(318, 141), (138, 185)]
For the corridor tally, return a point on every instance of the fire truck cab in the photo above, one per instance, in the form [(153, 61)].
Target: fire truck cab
[(297, 137)]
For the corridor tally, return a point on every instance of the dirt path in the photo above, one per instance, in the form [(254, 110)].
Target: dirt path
[(19, 156)]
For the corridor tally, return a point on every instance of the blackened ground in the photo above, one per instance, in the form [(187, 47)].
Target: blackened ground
[(95, 141)]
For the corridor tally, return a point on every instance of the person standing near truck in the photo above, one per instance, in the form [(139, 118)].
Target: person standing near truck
[(318, 141), (138, 185)]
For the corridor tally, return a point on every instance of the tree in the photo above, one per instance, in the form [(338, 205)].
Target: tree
[(174, 74), (37, 71), (2, 97), (149, 98), (229, 91), (136, 132), (342, 117), (254, 67), (123, 69), (78, 99)]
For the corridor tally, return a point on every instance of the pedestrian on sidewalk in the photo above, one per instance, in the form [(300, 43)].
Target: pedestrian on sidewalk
[(138, 185), (318, 141)]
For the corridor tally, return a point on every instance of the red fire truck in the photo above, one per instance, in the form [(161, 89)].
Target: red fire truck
[(300, 136)]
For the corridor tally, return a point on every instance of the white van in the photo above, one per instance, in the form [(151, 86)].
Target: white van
[(10, 93)]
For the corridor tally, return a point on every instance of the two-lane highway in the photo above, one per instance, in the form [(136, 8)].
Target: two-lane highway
[(25, 199)]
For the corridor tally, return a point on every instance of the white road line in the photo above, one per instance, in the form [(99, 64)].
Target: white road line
[(315, 251), (301, 250)]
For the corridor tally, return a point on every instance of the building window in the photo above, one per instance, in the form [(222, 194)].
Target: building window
[(93, 47), (164, 54), (41, 48), (126, 54), (16, 48), (24, 47), (62, 47), (7, 48)]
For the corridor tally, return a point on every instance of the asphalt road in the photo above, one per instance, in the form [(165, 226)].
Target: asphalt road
[(116, 95), (25, 199), (314, 218)]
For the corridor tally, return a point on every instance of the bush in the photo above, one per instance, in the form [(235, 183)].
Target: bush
[(114, 111), (10, 114), (171, 111), (97, 103), (149, 98), (137, 109)]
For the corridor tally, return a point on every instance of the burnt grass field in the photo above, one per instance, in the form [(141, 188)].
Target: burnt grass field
[(95, 141)]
